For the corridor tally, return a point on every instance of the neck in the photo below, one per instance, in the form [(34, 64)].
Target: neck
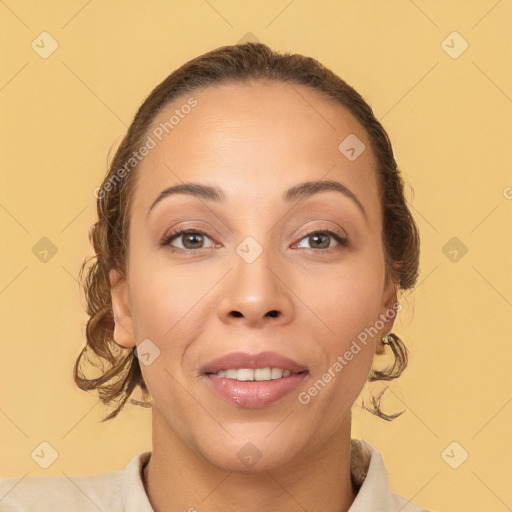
[(180, 479)]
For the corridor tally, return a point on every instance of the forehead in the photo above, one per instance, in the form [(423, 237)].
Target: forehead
[(255, 140)]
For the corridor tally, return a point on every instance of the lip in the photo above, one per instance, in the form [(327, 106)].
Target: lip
[(253, 361), (253, 394)]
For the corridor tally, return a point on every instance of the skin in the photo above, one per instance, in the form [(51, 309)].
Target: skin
[(254, 141)]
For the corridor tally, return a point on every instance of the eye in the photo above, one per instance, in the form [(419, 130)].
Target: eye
[(189, 239), (321, 240)]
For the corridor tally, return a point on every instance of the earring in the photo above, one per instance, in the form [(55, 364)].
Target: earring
[(387, 339)]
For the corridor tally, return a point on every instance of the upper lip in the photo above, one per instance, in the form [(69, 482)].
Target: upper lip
[(253, 361)]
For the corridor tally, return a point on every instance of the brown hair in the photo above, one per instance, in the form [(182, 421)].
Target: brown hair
[(109, 235)]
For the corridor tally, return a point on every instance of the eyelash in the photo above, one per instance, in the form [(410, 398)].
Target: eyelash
[(165, 242)]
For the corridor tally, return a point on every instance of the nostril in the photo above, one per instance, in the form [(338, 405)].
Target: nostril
[(273, 313)]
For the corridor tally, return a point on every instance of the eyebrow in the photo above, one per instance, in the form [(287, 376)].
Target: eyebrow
[(297, 192)]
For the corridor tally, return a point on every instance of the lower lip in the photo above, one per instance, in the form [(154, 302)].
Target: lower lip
[(254, 394)]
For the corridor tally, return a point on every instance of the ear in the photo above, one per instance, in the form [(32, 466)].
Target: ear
[(389, 299), (389, 311), (123, 329)]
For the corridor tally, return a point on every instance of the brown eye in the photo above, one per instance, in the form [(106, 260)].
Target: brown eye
[(192, 240), (321, 240), (186, 240)]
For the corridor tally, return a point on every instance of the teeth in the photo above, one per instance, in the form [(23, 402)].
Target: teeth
[(231, 374), (258, 374), (277, 373), (245, 374), (262, 374)]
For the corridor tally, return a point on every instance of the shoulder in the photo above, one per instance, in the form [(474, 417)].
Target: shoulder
[(406, 506), (49, 493), (84, 493)]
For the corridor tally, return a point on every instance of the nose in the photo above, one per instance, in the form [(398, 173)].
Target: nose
[(257, 293)]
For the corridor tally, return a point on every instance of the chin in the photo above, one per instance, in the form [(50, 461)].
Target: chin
[(252, 454)]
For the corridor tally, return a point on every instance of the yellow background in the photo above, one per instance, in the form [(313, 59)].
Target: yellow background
[(449, 120)]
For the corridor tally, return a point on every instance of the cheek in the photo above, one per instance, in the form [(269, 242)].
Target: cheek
[(348, 302), (162, 303), (348, 306), (347, 298), (163, 292), (168, 304)]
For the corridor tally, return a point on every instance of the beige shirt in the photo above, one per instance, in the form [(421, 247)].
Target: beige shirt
[(123, 491)]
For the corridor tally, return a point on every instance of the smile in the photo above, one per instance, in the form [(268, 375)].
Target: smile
[(253, 380), (253, 394), (249, 374)]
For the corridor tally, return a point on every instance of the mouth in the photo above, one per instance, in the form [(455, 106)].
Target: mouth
[(253, 381), (257, 374)]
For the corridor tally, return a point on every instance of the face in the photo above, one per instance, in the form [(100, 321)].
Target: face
[(270, 274)]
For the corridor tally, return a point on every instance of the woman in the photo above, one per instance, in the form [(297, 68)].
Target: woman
[(252, 241)]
